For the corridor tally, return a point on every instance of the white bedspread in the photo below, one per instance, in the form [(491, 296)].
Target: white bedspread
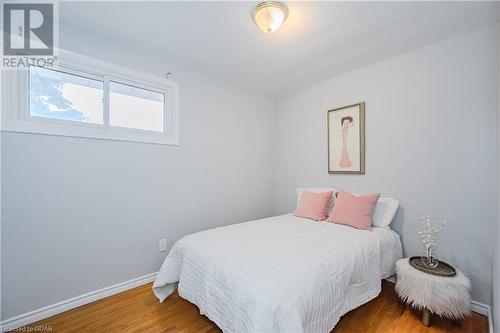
[(280, 274)]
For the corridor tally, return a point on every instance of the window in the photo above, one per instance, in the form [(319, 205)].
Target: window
[(84, 97), (62, 95)]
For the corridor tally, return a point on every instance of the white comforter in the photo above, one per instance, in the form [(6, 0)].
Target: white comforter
[(280, 274)]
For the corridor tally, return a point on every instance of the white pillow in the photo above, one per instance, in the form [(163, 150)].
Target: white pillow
[(385, 210), (317, 190)]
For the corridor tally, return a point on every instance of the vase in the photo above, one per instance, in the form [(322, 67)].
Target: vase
[(428, 258)]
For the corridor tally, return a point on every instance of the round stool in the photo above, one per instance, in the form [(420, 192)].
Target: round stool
[(444, 296)]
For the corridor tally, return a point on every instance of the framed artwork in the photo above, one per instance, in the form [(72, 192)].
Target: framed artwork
[(346, 139)]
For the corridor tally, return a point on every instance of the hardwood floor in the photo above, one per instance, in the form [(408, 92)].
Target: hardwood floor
[(138, 310)]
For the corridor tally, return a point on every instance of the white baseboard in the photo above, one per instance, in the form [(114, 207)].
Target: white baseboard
[(480, 308), (490, 321), (391, 278), (477, 307), (52, 310), (485, 310)]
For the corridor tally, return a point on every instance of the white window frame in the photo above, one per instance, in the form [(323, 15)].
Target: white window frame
[(15, 103)]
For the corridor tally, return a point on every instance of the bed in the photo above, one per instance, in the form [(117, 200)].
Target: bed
[(279, 274)]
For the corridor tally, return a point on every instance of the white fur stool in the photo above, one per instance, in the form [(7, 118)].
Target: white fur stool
[(443, 296)]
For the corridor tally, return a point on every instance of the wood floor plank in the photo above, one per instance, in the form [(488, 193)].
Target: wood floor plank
[(138, 311)]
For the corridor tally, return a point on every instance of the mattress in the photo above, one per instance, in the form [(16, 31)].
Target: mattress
[(279, 274), (390, 250)]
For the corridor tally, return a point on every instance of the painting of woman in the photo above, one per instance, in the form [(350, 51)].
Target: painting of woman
[(346, 122), (346, 139)]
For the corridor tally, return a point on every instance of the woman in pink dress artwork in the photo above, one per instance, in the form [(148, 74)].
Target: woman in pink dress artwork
[(345, 161)]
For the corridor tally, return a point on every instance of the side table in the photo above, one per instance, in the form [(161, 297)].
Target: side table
[(444, 296)]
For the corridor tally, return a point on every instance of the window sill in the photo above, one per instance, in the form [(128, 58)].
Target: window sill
[(78, 131)]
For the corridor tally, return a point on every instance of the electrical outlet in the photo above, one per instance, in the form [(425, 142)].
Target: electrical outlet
[(162, 245)]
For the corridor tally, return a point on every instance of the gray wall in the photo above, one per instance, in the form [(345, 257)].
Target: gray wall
[(495, 284), (83, 214), (495, 281), (430, 125)]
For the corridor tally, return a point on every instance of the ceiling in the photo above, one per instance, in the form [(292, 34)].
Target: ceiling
[(319, 40)]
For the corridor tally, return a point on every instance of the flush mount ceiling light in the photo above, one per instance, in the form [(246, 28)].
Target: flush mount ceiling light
[(270, 15)]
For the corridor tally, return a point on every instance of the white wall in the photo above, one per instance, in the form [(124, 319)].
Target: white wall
[(430, 125), (83, 214)]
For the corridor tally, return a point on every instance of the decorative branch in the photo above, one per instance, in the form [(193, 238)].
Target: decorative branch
[(428, 229)]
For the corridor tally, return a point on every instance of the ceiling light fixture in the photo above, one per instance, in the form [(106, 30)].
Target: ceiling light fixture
[(270, 15)]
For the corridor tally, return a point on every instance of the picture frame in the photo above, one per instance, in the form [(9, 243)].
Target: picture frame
[(346, 139)]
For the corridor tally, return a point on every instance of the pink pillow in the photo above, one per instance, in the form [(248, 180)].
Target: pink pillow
[(313, 205), (354, 211)]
